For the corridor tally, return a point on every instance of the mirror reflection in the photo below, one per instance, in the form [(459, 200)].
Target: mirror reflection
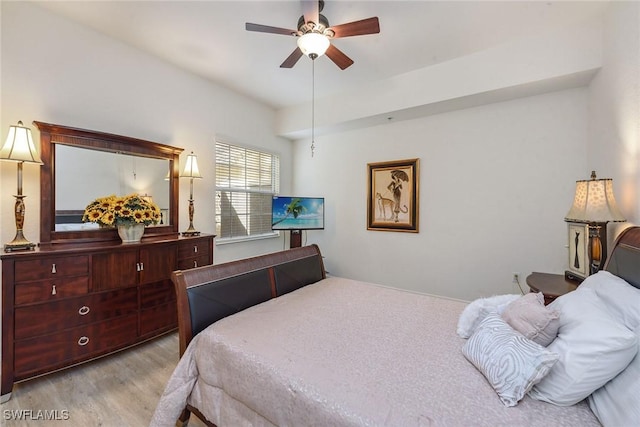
[(82, 175)]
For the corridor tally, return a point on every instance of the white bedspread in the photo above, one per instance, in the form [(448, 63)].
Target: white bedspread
[(345, 353)]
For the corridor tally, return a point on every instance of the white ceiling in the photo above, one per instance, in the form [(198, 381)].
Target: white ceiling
[(209, 39)]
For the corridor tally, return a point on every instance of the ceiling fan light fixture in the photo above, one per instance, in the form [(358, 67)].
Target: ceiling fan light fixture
[(313, 44)]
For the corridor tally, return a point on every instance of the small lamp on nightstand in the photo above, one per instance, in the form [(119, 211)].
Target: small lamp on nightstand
[(19, 148), (594, 206)]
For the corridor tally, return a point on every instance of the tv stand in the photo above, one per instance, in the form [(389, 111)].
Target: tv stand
[(295, 241)]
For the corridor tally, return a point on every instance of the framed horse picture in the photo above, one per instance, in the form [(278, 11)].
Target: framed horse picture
[(392, 199)]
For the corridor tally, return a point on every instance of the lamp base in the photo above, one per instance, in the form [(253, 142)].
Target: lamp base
[(597, 246), (190, 231), (19, 243)]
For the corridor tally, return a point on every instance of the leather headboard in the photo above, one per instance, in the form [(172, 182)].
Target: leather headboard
[(624, 261), (295, 274), (211, 302)]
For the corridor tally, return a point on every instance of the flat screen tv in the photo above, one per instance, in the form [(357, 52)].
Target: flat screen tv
[(297, 213)]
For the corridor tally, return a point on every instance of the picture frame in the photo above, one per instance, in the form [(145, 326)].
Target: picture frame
[(579, 260), (392, 197)]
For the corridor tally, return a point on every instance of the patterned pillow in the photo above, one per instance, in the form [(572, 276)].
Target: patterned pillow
[(529, 316), (511, 363)]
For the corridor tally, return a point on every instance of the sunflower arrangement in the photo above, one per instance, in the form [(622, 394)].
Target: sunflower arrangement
[(128, 210)]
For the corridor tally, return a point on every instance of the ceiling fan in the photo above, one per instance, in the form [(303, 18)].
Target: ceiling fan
[(314, 34)]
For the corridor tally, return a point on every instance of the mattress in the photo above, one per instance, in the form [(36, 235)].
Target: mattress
[(345, 353)]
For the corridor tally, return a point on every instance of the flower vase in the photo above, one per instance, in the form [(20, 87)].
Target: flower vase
[(131, 233)]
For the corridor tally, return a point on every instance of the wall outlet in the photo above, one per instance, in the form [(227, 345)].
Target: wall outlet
[(517, 286)]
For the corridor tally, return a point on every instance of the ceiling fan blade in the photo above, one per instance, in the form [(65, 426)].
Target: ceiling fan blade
[(340, 59), (357, 28), (292, 59), (310, 10), (268, 29)]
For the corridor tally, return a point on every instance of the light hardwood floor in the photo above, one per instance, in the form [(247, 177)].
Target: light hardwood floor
[(119, 390)]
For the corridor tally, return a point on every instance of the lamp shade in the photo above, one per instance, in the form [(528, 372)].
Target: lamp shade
[(313, 44), (594, 202), (19, 146), (191, 167)]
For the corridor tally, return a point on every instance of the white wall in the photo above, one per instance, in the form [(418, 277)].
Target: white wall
[(495, 184), (56, 71), (614, 110)]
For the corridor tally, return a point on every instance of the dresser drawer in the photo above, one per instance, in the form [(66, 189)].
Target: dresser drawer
[(49, 352), (46, 268), (51, 289), (157, 319), (157, 293), (187, 263), (194, 248), (41, 319)]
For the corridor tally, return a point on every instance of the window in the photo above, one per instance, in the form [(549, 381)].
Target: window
[(246, 181)]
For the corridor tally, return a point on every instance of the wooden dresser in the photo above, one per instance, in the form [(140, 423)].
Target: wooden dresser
[(65, 306)]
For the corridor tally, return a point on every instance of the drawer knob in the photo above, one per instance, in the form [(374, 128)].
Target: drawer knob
[(53, 269), (84, 310), (195, 264), (83, 341), (53, 290), (195, 249)]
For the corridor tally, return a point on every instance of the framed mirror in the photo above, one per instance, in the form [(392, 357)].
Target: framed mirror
[(82, 165)]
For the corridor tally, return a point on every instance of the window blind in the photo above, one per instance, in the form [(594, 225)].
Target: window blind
[(246, 180)]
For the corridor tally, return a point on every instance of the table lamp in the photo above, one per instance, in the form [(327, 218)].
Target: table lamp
[(19, 147), (595, 205), (191, 171)]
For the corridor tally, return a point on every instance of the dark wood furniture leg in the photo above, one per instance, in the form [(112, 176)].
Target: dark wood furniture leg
[(296, 239), (183, 420)]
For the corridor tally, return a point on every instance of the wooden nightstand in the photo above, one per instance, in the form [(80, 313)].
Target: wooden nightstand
[(551, 285)]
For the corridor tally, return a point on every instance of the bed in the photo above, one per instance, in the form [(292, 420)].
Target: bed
[(71, 220), (272, 340)]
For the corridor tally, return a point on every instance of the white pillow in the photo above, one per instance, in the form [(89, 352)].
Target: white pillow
[(592, 345), (510, 362), (619, 297), (477, 310), (617, 403)]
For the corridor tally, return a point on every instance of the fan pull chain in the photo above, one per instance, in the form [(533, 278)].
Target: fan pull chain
[(313, 102)]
